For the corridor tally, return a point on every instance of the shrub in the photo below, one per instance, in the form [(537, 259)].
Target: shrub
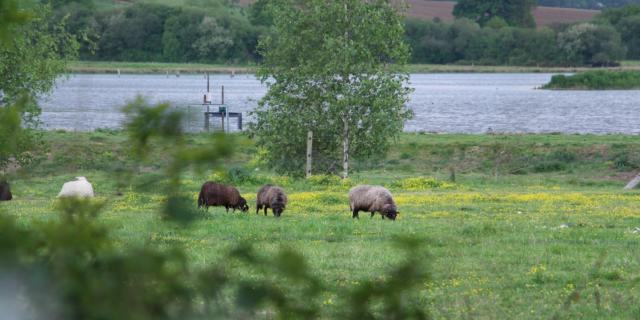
[(624, 161), (549, 166), (421, 183), (406, 156), (239, 175), (324, 180)]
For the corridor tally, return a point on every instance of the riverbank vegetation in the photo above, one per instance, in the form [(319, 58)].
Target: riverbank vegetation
[(540, 219), (173, 68), (596, 80), (219, 32)]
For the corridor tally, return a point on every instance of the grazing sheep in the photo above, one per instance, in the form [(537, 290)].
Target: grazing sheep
[(5, 191), (215, 194), (372, 199), (270, 196), (78, 188)]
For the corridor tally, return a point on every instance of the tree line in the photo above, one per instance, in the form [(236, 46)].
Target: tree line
[(486, 32), (218, 32), (465, 42)]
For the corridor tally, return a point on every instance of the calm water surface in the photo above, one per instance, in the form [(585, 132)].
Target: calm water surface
[(452, 103)]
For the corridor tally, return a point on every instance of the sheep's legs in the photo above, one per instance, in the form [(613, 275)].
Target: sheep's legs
[(372, 214), (258, 209), (226, 207), (265, 211), (355, 214)]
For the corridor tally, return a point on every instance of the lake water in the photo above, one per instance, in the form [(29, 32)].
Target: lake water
[(451, 103)]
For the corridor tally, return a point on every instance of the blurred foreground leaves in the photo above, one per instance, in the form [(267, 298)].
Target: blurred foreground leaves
[(71, 268)]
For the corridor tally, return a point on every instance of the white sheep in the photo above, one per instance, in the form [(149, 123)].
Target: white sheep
[(372, 199), (78, 188)]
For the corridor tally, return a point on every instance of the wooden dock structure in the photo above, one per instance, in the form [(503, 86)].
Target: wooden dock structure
[(222, 115)]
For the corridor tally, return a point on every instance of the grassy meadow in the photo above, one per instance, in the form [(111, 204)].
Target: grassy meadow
[(517, 226)]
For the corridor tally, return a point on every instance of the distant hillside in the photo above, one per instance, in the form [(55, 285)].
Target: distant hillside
[(587, 4), (576, 4), (544, 15)]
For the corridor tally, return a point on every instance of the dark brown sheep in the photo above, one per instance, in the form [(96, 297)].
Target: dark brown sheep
[(215, 194), (5, 191), (273, 197)]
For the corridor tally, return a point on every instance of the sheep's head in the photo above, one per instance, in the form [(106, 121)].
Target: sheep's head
[(390, 211), (242, 205), (392, 215), (277, 208)]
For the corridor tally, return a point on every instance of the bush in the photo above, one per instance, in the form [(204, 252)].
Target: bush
[(421, 183), (549, 166), (241, 175), (624, 161), (324, 180)]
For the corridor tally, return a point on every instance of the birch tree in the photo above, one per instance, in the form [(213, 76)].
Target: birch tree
[(332, 67)]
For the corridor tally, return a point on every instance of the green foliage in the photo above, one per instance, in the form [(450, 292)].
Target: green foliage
[(421, 183), (194, 31), (626, 161), (224, 32), (627, 22), (324, 180), (17, 144), (596, 80), (10, 16), (29, 65), (147, 124), (463, 41), (36, 55), (591, 44), (328, 70), (515, 13), (240, 175)]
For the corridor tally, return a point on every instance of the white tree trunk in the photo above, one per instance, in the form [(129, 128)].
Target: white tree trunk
[(345, 150), (309, 151), (633, 183)]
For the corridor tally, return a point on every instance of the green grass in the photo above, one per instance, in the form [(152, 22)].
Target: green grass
[(596, 80), (153, 67), (631, 63), (502, 246)]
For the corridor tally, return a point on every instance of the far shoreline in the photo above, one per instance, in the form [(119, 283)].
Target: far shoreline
[(102, 67)]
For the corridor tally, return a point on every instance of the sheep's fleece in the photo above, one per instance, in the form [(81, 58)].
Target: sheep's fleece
[(78, 188)]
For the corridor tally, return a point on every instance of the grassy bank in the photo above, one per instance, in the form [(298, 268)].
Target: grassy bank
[(516, 235), (596, 80), (154, 67), (160, 67)]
